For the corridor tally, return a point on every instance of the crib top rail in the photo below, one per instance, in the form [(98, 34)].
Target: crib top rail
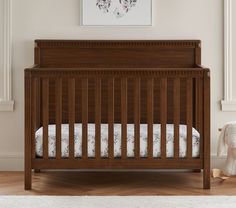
[(117, 72), (118, 53)]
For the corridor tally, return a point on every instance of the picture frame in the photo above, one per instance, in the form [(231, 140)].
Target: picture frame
[(116, 13)]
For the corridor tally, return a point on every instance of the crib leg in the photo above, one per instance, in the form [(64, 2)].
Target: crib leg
[(206, 178), (28, 179), (28, 132), (206, 132)]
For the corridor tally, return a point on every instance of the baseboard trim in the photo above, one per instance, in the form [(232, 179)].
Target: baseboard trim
[(15, 162), (11, 162)]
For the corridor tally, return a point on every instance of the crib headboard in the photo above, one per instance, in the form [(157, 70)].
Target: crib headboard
[(128, 54), (118, 54)]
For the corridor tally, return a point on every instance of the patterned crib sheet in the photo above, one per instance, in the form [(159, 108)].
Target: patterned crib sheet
[(117, 140)]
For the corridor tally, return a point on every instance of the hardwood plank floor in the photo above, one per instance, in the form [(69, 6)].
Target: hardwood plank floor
[(114, 183)]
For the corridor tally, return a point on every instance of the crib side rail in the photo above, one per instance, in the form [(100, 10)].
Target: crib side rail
[(156, 82)]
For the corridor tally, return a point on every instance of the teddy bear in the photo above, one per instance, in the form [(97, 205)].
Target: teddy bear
[(227, 144)]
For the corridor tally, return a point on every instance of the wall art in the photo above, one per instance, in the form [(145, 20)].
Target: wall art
[(116, 12)]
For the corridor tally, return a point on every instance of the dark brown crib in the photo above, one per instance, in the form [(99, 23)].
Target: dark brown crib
[(124, 82)]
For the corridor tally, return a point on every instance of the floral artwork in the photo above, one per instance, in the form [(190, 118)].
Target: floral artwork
[(127, 4), (119, 11), (104, 5), (116, 12)]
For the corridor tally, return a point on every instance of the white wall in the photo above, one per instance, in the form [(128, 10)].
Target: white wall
[(234, 47), (1, 49), (173, 19)]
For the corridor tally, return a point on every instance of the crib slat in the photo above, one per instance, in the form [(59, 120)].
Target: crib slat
[(33, 117), (150, 89), (58, 116), (111, 118), (98, 118), (163, 109), (189, 122), (197, 104), (176, 93), (71, 109), (85, 117), (45, 106), (137, 117), (200, 112), (124, 117)]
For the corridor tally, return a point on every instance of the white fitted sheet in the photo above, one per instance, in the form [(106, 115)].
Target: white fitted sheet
[(117, 140)]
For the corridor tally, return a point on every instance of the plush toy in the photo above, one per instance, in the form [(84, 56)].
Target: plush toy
[(227, 141)]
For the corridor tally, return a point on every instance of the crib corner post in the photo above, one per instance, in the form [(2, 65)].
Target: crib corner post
[(207, 129), (28, 168)]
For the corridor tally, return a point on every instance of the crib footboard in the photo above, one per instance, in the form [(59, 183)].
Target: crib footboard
[(178, 96)]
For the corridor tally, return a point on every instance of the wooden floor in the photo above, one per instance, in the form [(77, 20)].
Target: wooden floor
[(113, 183)]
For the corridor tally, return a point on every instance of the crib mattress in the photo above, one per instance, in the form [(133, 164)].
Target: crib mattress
[(117, 140)]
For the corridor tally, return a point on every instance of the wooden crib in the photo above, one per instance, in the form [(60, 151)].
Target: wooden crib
[(117, 82)]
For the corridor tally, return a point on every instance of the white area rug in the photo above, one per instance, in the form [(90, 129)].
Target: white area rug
[(117, 202)]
